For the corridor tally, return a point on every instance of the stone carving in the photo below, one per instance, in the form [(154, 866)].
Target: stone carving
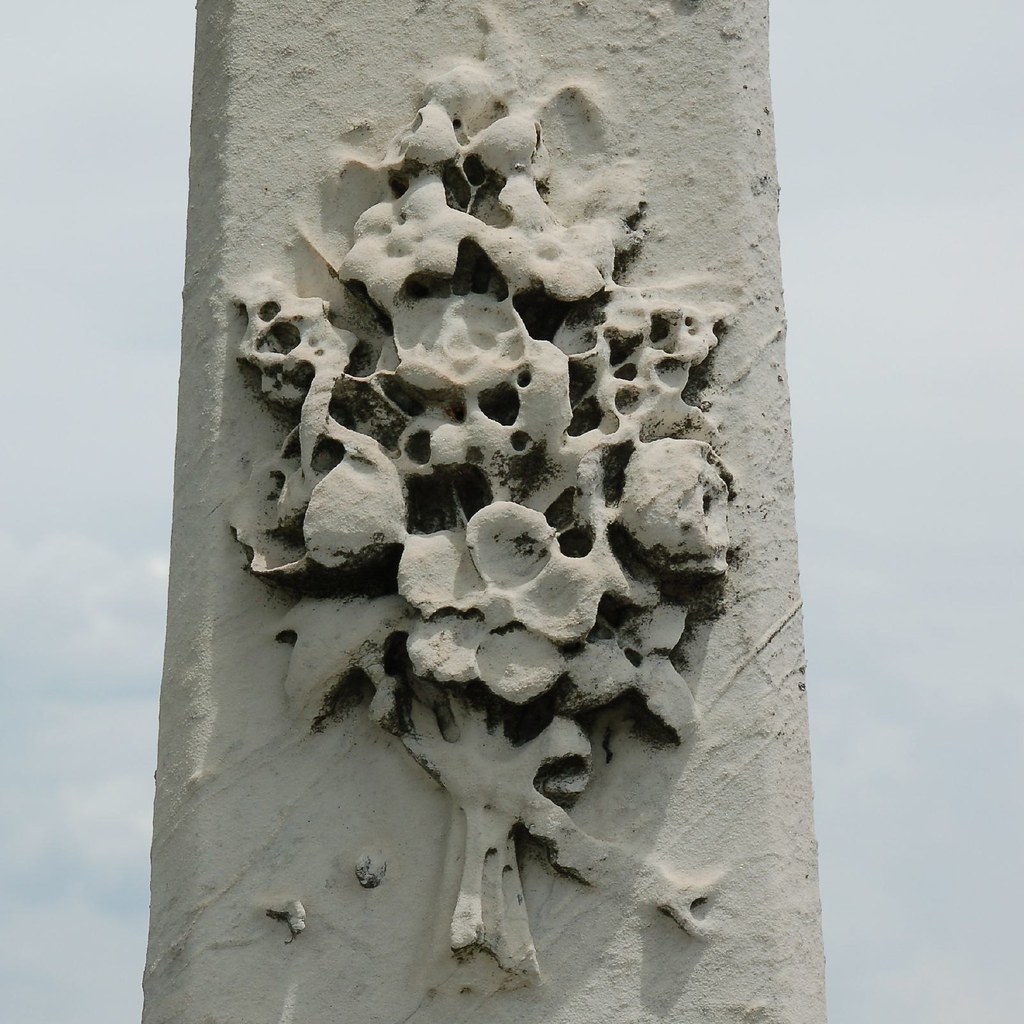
[(493, 500)]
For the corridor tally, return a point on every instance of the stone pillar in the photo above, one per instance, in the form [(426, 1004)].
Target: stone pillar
[(484, 691)]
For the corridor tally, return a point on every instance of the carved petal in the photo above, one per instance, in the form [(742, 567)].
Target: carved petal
[(445, 648), (319, 659), (436, 572), (256, 515), (673, 504), (519, 665), (358, 505), (510, 543)]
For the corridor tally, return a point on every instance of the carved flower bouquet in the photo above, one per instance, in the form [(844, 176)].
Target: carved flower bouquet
[(494, 496)]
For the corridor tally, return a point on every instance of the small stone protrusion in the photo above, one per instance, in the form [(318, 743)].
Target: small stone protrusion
[(293, 915), (370, 870)]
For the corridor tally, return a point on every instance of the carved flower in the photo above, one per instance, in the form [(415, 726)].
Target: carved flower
[(673, 505), (510, 544), (498, 599), (291, 341), (507, 566), (514, 663), (335, 511)]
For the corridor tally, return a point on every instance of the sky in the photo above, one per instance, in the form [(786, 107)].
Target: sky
[(900, 148)]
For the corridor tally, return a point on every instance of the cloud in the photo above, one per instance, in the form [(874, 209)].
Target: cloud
[(939, 989), (78, 617), (900, 227), (76, 796), (66, 961), (83, 797)]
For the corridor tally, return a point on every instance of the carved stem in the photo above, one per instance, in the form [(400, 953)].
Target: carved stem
[(490, 912)]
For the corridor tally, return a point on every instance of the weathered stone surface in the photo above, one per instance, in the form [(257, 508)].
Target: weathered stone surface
[(484, 673)]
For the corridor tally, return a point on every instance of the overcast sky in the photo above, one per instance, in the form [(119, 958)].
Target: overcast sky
[(901, 137)]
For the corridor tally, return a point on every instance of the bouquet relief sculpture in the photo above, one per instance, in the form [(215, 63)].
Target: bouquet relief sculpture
[(493, 502)]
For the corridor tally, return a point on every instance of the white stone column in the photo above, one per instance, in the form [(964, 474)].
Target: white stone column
[(484, 689)]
